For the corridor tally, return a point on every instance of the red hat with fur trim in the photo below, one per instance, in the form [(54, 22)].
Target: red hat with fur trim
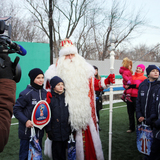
[(67, 47)]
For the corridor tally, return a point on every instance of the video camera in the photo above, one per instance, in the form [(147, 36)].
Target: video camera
[(7, 47)]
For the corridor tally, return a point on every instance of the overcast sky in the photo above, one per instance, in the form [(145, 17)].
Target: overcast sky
[(151, 11), (151, 33)]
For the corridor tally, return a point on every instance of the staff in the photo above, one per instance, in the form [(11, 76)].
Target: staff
[(111, 93)]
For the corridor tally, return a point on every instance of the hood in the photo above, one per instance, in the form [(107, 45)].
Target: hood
[(123, 69)]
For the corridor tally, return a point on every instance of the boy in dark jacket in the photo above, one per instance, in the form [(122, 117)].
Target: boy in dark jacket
[(155, 124), (23, 108), (146, 94), (59, 128)]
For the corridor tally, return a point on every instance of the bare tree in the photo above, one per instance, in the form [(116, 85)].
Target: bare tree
[(89, 22), (101, 24), (23, 29), (122, 27), (66, 17)]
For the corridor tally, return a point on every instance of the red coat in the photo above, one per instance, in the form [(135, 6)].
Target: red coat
[(97, 85), (137, 79)]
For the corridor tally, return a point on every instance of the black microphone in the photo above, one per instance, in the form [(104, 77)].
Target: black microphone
[(18, 48)]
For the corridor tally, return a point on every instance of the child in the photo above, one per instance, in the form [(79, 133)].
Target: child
[(155, 125), (126, 72), (59, 128), (23, 110), (146, 95), (137, 79)]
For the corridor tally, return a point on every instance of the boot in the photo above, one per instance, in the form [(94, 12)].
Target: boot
[(123, 97), (128, 97)]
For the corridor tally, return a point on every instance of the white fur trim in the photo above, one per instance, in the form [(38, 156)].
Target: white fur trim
[(79, 146), (103, 84), (94, 100), (96, 141), (91, 70), (50, 73), (68, 50)]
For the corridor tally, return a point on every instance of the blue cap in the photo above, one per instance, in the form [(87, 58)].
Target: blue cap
[(150, 68), (55, 80)]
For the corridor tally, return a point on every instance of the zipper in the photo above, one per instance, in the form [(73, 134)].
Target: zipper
[(158, 110), (157, 134), (40, 94), (26, 130), (147, 99)]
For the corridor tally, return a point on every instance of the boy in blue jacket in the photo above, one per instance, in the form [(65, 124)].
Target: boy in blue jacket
[(155, 124), (58, 128), (146, 95), (23, 108)]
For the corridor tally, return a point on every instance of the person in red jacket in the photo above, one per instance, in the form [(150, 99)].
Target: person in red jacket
[(98, 92), (137, 79), (126, 72)]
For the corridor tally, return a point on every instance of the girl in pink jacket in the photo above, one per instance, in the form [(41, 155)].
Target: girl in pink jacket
[(126, 72)]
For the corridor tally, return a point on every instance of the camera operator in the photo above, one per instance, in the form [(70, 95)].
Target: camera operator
[(7, 97), (10, 74)]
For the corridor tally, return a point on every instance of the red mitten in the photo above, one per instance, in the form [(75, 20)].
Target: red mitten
[(49, 96), (106, 81), (112, 78)]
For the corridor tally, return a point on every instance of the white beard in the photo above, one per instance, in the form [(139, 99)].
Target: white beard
[(74, 73)]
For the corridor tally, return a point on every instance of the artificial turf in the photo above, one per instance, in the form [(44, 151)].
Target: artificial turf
[(123, 144)]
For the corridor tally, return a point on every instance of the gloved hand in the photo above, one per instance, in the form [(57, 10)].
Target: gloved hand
[(50, 135), (112, 78), (49, 96), (9, 69), (129, 82), (6, 70)]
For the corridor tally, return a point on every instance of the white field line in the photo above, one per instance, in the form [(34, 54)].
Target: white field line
[(12, 124), (113, 107)]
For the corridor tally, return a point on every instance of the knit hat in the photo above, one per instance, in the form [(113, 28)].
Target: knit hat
[(95, 67), (67, 47), (55, 80), (150, 68), (34, 73), (141, 66)]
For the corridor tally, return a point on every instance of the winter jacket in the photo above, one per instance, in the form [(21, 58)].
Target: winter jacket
[(127, 76), (146, 94), (155, 114), (59, 123), (7, 100), (97, 85), (23, 110), (137, 79)]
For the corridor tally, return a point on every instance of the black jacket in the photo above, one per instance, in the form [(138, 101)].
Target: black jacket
[(155, 115), (23, 110), (146, 94), (59, 124)]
